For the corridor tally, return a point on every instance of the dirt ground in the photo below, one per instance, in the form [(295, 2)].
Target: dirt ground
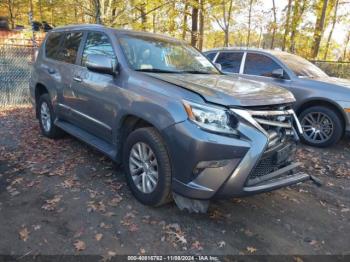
[(62, 197)]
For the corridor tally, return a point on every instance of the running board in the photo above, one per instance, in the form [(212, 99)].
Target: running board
[(88, 138)]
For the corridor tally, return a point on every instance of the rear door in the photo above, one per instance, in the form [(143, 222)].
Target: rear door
[(66, 57), (53, 72), (95, 92)]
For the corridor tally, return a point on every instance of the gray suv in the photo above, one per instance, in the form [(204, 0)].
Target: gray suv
[(181, 129), (322, 102)]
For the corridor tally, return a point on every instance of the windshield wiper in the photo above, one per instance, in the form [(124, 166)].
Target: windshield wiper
[(196, 72), (157, 70)]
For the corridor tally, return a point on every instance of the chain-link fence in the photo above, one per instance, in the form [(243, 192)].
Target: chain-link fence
[(15, 66)]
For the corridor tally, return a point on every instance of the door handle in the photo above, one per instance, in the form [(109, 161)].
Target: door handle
[(77, 79)]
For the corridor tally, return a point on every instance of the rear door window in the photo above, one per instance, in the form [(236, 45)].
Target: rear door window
[(97, 44), (230, 61), (259, 65), (70, 47), (52, 45)]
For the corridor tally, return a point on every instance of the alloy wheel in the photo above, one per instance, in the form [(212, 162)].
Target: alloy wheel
[(45, 117), (143, 167), (317, 127)]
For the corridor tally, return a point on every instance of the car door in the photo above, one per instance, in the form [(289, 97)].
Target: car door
[(95, 92), (259, 67), (230, 61), (67, 57)]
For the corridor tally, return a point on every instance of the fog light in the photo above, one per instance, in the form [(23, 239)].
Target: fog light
[(209, 164), (212, 164)]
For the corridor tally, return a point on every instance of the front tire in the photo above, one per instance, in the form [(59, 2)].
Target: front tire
[(147, 167), (46, 118), (322, 126)]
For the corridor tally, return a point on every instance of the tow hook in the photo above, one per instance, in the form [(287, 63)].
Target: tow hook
[(317, 181)]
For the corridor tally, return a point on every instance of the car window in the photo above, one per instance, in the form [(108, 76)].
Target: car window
[(97, 44), (153, 53), (211, 56), (230, 61), (52, 45), (69, 50), (259, 65)]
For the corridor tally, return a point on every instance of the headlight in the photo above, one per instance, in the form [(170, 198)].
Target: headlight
[(211, 118)]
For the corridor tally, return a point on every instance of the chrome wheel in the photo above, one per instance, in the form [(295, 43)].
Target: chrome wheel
[(143, 167), (45, 116), (317, 127)]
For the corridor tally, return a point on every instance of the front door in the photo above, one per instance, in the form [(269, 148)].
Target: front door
[(259, 67), (95, 92)]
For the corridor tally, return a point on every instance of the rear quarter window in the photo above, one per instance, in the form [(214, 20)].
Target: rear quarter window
[(52, 45), (69, 51)]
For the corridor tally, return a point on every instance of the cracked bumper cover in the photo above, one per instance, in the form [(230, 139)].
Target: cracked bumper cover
[(189, 145)]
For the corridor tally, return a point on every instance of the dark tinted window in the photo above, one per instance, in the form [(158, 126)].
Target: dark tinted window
[(210, 56), (260, 65), (97, 43), (52, 45), (230, 61), (69, 50)]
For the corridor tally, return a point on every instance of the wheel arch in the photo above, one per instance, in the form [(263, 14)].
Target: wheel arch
[(128, 124), (326, 103), (40, 89)]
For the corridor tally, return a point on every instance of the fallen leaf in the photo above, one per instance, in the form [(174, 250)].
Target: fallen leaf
[(115, 201), (222, 244), (133, 228), (196, 245), (24, 234), (79, 245), (98, 237), (313, 242), (51, 204), (112, 253), (251, 250)]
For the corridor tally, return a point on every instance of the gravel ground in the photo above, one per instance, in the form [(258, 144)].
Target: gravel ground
[(62, 197)]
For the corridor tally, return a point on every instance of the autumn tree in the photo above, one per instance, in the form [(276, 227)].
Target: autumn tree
[(222, 14)]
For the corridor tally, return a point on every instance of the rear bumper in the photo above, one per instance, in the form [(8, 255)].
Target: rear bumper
[(234, 160)]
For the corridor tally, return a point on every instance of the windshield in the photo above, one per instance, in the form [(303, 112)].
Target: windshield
[(300, 66), (151, 54)]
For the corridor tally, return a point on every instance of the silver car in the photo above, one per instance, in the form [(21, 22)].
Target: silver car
[(323, 102)]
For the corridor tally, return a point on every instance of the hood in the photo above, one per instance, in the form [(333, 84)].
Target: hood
[(334, 80), (229, 91)]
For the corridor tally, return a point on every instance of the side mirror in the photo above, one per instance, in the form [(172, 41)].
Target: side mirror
[(218, 66), (101, 64), (277, 73)]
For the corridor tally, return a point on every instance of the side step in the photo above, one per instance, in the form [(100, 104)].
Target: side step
[(88, 138)]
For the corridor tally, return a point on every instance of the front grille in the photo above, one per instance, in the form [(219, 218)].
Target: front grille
[(278, 125), (265, 166)]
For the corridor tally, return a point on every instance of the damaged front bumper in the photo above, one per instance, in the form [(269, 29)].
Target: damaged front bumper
[(261, 159)]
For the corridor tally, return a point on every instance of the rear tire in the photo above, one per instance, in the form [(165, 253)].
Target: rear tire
[(143, 169), (46, 118), (322, 126)]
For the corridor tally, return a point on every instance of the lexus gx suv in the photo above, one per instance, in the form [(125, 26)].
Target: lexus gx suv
[(181, 129)]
